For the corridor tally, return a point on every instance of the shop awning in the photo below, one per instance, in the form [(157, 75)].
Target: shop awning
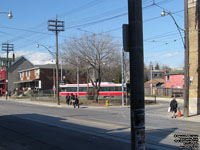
[(25, 81)]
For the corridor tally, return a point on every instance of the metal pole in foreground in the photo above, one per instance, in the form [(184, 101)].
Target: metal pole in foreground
[(136, 75)]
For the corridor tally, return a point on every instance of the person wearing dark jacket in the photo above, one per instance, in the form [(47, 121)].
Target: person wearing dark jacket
[(173, 107), (67, 99), (73, 100), (76, 101)]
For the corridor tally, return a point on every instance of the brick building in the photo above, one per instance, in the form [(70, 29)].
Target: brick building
[(174, 79), (2, 81), (40, 76), (194, 57)]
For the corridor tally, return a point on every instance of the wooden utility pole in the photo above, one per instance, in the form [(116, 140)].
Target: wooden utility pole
[(7, 47), (135, 45), (56, 26), (186, 66)]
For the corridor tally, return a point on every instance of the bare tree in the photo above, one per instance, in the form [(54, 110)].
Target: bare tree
[(92, 52)]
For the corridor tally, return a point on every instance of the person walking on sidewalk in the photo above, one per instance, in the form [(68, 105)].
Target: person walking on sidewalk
[(67, 99), (77, 101), (173, 107), (73, 100)]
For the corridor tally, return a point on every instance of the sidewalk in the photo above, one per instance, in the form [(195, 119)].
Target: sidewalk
[(166, 102)]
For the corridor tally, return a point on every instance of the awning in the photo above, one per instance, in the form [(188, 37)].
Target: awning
[(25, 81)]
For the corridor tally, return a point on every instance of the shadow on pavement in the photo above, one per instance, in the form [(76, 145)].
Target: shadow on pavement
[(36, 131)]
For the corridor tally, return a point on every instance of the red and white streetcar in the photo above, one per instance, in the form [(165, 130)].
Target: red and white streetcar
[(106, 89)]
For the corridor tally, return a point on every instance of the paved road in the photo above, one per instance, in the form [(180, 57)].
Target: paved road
[(92, 127), (23, 134)]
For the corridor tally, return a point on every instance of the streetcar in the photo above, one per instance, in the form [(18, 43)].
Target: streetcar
[(106, 89)]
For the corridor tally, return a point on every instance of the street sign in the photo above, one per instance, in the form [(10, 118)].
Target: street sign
[(39, 84)]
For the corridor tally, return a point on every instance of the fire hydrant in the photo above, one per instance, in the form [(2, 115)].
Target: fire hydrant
[(107, 103)]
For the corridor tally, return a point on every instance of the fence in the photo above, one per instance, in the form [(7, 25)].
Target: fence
[(164, 91), (48, 95)]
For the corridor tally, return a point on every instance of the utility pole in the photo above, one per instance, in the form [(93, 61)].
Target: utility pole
[(7, 47), (123, 77), (56, 26), (186, 67), (135, 43), (151, 78), (78, 72)]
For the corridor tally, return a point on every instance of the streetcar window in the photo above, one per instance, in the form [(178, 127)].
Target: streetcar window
[(82, 89), (118, 88), (107, 89), (62, 89), (71, 89)]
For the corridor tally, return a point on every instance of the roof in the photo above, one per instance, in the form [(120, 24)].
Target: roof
[(20, 57), (176, 72), (18, 60), (158, 71), (47, 66), (154, 82)]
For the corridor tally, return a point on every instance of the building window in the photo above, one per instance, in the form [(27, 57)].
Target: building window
[(168, 78), (21, 74), (37, 71), (172, 86), (178, 86), (28, 74)]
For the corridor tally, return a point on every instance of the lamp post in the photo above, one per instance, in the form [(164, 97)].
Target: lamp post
[(53, 56), (151, 67), (122, 77), (163, 13), (78, 71), (186, 48), (10, 16)]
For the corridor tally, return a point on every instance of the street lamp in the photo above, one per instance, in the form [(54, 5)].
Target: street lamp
[(164, 13), (186, 47), (10, 16), (53, 56)]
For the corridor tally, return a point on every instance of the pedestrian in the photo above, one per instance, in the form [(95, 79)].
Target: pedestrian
[(173, 107), (67, 99), (77, 101), (73, 100)]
